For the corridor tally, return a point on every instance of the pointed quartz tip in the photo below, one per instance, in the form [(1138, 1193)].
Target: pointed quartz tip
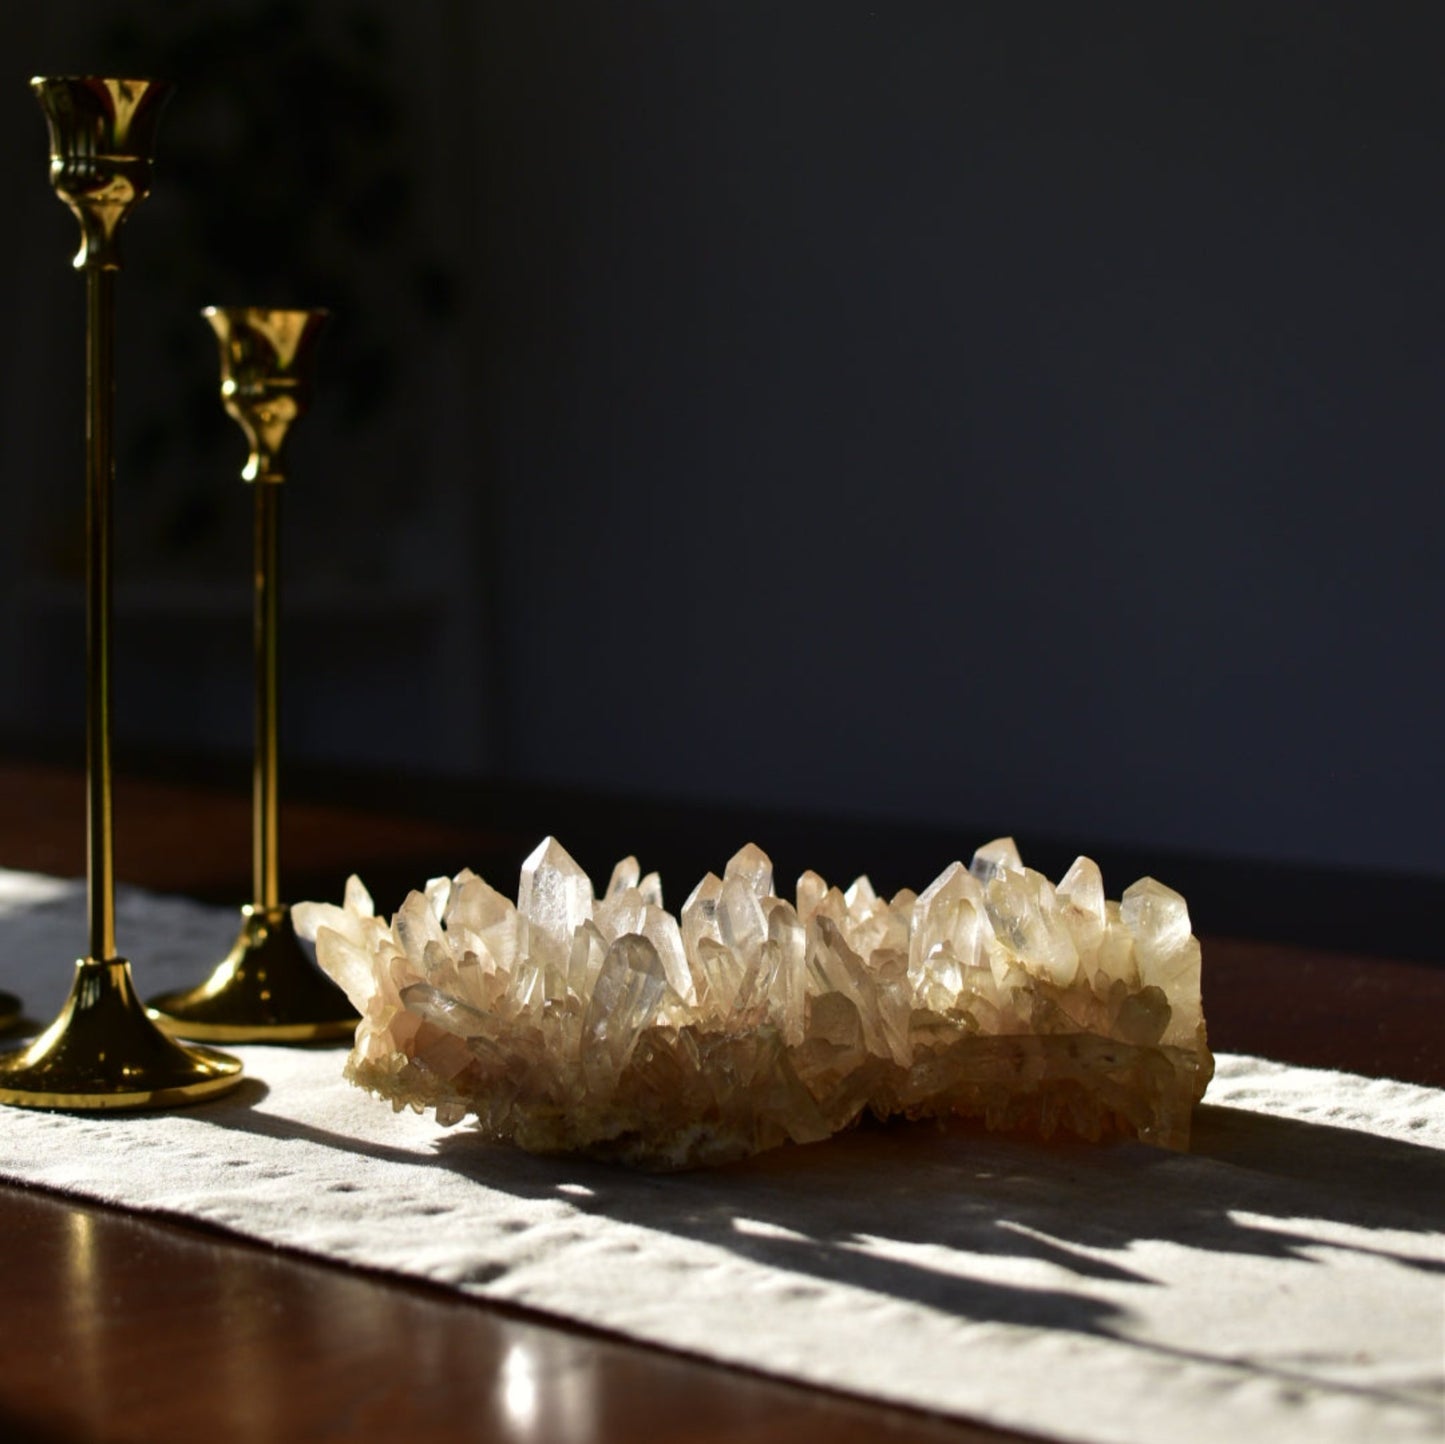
[(554, 893), (1000, 855), (308, 917), (812, 889), (1157, 916), (707, 891), (624, 876), (356, 898), (1083, 885), (753, 867)]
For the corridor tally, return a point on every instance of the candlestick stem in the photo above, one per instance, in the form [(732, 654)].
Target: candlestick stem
[(266, 882), (99, 540)]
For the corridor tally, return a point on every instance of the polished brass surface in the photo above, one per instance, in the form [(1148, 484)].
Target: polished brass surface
[(265, 763), (266, 359), (102, 137), (99, 530), (102, 1051), (266, 988)]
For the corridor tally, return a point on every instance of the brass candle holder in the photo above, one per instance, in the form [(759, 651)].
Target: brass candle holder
[(102, 1051), (266, 989)]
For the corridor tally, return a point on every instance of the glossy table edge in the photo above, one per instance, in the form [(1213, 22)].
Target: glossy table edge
[(161, 1328)]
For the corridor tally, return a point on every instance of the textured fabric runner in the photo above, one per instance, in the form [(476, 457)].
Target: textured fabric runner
[(1285, 1281)]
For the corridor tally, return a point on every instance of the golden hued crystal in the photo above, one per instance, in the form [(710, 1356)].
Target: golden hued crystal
[(612, 1028)]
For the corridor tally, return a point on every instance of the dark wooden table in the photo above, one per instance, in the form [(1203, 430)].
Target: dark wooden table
[(126, 1328)]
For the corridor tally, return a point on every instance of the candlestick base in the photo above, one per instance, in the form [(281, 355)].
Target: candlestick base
[(265, 990), (103, 1052), (9, 1010)]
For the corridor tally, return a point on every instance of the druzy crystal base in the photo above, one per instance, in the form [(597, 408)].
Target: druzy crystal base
[(610, 1027)]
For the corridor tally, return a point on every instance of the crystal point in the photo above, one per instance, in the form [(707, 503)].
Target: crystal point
[(741, 923), (1158, 918), (1000, 855), (661, 930), (624, 876), (752, 866), (629, 988), (699, 913), (357, 899), (810, 892), (555, 894)]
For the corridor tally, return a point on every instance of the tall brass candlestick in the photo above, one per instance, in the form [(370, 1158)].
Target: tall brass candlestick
[(103, 1051), (266, 989)]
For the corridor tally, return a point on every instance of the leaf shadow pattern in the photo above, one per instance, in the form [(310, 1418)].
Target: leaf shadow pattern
[(815, 1213), (968, 1190), (890, 1210)]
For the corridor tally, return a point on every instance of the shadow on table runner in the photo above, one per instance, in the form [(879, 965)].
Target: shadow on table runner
[(892, 1210), (802, 1209), (1286, 1272)]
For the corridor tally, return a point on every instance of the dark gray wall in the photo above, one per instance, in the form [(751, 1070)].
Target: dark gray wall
[(1018, 415)]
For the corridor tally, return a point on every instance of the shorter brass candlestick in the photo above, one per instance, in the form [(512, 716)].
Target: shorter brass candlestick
[(265, 989), (103, 1051)]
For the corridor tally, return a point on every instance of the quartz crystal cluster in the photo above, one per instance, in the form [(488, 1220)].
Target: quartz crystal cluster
[(610, 1027)]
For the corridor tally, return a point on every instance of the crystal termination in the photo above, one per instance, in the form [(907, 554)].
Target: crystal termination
[(611, 1028)]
